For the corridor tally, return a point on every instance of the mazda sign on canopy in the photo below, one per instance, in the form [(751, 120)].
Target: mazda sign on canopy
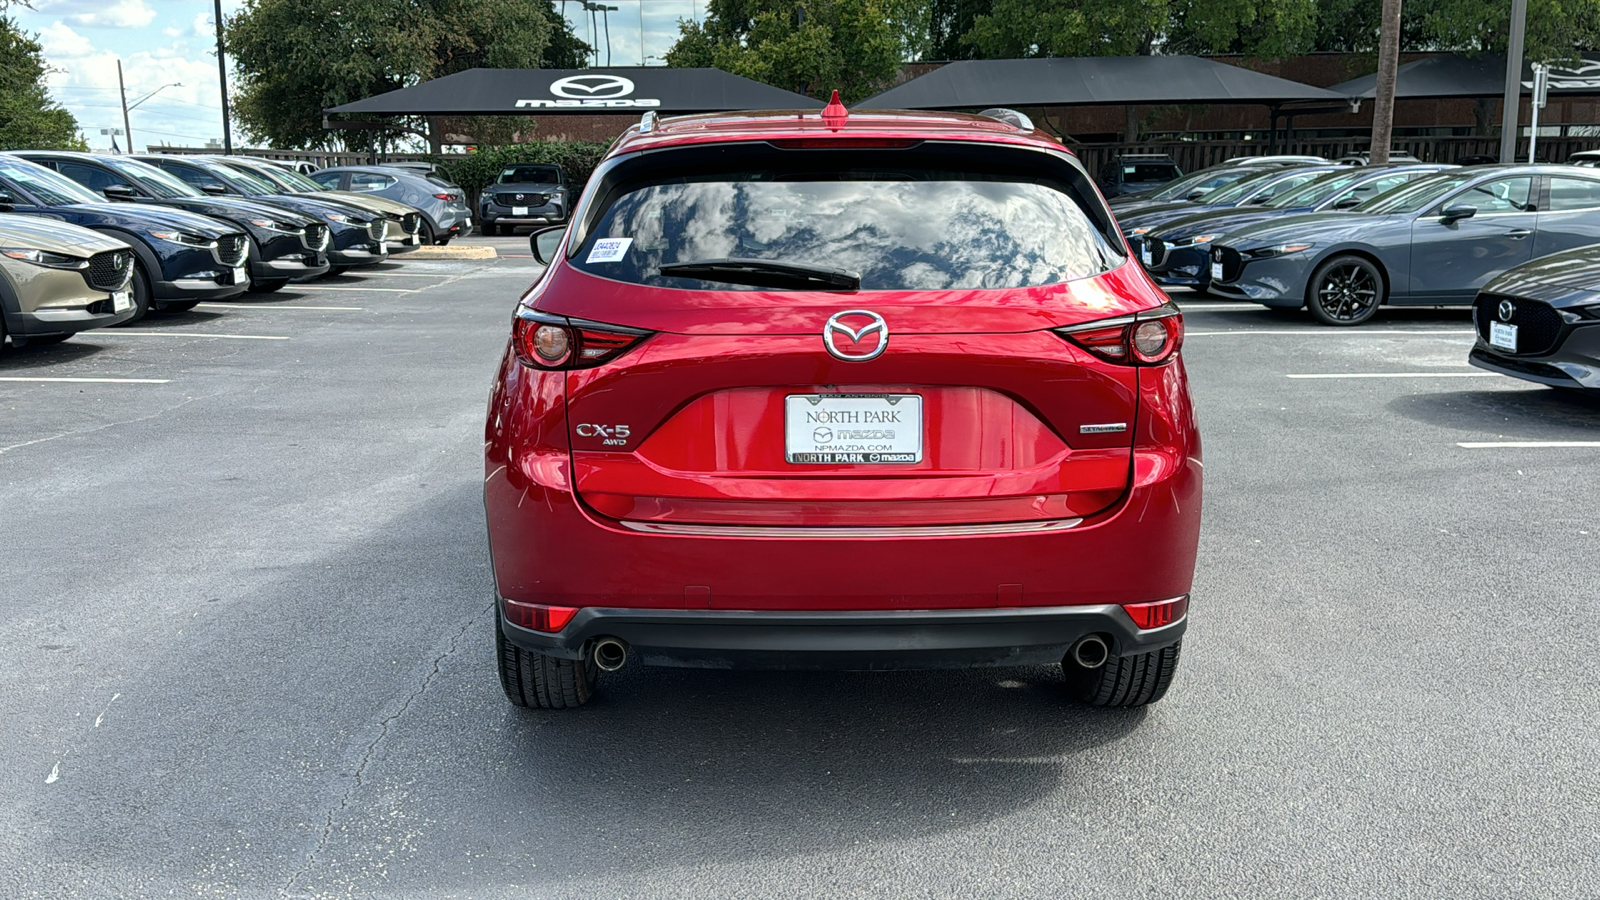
[(592, 92), (510, 92)]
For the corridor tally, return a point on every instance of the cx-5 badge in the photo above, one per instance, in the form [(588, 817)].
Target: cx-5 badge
[(834, 333)]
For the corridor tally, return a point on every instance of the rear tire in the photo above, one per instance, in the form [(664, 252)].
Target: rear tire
[(542, 682), (1125, 681), (488, 229), (1345, 290), (428, 238)]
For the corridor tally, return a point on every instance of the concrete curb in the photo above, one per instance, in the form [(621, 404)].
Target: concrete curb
[(450, 253)]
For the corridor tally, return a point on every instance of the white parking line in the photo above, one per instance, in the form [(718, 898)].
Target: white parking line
[(1197, 306), (189, 334), (404, 274), (93, 380), (1401, 375), (329, 287), (1333, 332), (266, 306), (1490, 445)]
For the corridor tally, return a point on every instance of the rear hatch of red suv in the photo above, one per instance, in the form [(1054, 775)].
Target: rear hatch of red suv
[(784, 339)]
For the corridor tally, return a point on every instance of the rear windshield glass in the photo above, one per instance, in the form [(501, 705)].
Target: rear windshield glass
[(902, 229)]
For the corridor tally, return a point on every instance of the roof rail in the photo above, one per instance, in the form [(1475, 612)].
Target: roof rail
[(1009, 116), (647, 122)]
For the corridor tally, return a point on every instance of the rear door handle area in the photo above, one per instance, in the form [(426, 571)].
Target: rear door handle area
[(1518, 234)]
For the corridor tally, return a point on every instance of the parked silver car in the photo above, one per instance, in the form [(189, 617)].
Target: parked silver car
[(444, 209)]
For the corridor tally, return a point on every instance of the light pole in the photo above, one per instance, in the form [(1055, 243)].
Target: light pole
[(129, 107), (604, 11)]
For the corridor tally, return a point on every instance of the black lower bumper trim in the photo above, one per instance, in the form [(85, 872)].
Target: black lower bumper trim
[(891, 639)]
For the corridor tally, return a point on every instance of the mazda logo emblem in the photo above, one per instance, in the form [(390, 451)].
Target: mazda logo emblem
[(1506, 310), (852, 344), (592, 87), (520, 197)]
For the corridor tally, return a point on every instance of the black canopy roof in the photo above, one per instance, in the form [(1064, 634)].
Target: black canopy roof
[(1083, 80), (631, 90), (1458, 75)]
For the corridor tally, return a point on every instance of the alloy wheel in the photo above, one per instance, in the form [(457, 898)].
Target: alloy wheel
[(1348, 292)]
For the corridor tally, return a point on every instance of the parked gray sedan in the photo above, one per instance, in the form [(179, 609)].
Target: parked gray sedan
[(1432, 243), (444, 209)]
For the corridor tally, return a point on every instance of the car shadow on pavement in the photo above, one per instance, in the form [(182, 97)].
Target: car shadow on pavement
[(1537, 413), (684, 765), (40, 356)]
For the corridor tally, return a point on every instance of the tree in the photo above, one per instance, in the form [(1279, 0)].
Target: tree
[(1020, 28), (1388, 63), (809, 47), (295, 58), (29, 119)]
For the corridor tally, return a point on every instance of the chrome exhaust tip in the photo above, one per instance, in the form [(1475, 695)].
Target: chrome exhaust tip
[(1091, 652), (610, 654)]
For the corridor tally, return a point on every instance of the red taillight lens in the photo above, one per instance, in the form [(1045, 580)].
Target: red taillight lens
[(1149, 338), (1157, 613), (545, 341), (537, 616), (444, 196)]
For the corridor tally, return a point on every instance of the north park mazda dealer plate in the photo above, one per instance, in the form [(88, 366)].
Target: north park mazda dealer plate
[(853, 428)]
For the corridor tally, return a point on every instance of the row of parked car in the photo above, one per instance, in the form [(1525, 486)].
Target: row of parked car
[(1520, 244), (95, 240)]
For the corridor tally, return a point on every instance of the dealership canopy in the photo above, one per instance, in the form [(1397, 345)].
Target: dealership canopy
[(490, 92), (1458, 75), (1085, 80)]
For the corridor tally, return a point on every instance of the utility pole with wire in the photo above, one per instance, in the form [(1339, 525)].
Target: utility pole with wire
[(127, 129), (1388, 67), (222, 78)]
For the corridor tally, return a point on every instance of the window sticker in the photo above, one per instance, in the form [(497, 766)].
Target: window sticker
[(609, 250)]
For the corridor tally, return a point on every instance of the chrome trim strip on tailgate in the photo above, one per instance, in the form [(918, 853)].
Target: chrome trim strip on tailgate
[(823, 532)]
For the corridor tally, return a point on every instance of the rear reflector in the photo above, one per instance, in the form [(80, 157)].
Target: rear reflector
[(1157, 613), (538, 617)]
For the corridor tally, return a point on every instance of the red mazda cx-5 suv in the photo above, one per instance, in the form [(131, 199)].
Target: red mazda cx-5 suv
[(867, 391)]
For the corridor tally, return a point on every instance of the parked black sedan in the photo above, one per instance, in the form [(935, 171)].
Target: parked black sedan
[(1434, 242), (1540, 321), (180, 258), (1179, 252), (359, 236), (284, 245)]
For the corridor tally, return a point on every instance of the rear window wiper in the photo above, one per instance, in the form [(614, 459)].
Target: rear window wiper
[(766, 273)]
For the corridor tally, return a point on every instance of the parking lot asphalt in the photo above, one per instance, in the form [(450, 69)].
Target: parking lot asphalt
[(247, 619)]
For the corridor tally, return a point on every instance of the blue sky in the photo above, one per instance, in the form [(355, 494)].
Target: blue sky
[(162, 42)]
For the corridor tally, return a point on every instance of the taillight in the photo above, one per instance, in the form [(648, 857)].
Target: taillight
[(1149, 338), (444, 196), (1157, 613), (545, 341), (537, 616)]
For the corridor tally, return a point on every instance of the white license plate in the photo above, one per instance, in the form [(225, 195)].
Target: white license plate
[(1144, 255), (383, 249), (1503, 336), (519, 210), (240, 276), (852, 428), (120, 301), (1216, 271), (467, 222)]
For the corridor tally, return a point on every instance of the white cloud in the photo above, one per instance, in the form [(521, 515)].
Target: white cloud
[(203, 27), (100, 14)]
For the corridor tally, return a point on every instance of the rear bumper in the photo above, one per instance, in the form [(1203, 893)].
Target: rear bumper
[(891, 639)]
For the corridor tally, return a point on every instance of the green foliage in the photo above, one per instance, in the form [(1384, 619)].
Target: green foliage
[(295, 58), (1020, 28), (856, 46), (478, 169), (29, 119), (1556, 29)]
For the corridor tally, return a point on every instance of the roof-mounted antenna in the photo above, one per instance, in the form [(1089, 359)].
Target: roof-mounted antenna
[(834, 115), (1010, 117), (647, 122)]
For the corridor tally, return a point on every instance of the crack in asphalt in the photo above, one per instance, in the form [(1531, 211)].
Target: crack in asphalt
[(358, 780), (185, 402)]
